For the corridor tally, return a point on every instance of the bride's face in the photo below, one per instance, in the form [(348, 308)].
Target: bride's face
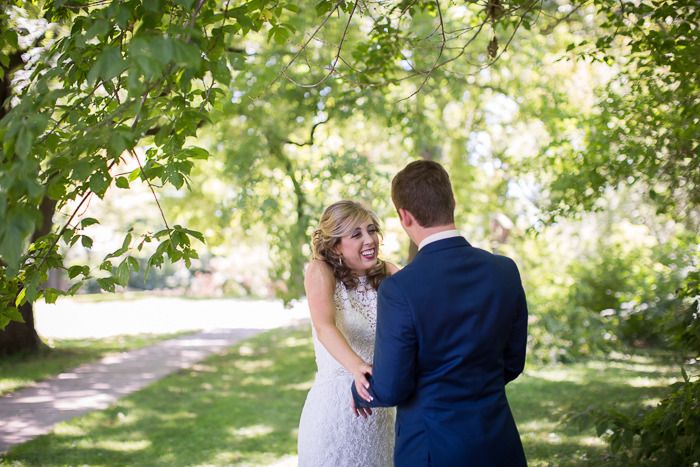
[(359, 248)]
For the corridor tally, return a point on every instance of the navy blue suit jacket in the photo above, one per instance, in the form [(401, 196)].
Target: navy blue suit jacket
[(451, 332)]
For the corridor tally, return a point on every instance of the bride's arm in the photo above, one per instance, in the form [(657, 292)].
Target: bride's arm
[(319, 283)]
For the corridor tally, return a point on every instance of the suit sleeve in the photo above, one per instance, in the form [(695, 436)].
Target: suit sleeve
[(395, 349), (514, 357)]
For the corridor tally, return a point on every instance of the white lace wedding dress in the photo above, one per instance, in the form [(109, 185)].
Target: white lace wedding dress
[(329, 433)]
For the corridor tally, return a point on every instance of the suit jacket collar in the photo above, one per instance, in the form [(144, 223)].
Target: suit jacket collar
[(451, 242)]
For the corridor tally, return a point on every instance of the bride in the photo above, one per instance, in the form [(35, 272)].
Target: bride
[(341, 286)]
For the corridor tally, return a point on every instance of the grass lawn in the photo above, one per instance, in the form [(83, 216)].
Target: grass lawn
[(18, 371), (242, 408)]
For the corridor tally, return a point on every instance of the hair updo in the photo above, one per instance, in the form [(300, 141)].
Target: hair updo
[(338, 220)]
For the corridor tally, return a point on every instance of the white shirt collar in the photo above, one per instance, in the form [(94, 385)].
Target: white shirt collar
[(438, 236)]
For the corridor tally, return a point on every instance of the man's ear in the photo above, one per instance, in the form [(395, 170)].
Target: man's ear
[(406, 217)]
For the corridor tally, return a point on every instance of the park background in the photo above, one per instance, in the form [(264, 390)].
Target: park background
[(187, 148)]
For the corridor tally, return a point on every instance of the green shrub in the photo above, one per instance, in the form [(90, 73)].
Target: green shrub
[(666, 435)]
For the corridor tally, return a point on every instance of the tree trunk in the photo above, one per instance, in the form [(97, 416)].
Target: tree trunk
[(428, 152), (22, 337)]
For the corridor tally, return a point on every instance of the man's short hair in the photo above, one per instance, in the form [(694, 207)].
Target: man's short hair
[(423, 188)]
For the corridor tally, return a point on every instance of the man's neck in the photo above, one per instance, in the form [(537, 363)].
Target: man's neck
[(422, 233)]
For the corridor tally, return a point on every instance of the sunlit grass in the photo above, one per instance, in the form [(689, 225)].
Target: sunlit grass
[(543, 398), (18, 371), (239, 408), (242, 408)]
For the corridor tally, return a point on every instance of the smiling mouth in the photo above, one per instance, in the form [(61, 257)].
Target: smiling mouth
[(369, 253)]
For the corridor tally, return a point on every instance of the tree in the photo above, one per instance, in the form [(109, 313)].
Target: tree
[(645, 129), (108, 77), (111, 76)]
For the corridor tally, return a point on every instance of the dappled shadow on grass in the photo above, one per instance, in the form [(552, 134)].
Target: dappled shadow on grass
[(243, 407), (544, 399), (239, 407)]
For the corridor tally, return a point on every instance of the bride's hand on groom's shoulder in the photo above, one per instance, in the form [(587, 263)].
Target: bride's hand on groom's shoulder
[(361, 382)]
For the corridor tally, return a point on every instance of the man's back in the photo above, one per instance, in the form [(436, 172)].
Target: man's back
[(459, 314)]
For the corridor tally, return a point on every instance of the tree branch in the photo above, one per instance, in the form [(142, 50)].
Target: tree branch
[(550, 28), (337, 55), (306, 44), (443, 42), (310, 141)]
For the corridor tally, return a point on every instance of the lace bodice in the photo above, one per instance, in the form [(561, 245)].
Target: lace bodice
[(356, 319)]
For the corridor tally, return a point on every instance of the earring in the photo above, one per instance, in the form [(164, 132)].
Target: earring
[(340, 260)]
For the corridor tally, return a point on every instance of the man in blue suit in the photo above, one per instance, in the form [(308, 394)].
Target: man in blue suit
[(451, 332)]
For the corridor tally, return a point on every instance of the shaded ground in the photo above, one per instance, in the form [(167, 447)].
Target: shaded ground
[(34, 410), (242, 408)]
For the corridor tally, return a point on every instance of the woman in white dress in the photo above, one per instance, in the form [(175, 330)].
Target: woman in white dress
[(341, 286)]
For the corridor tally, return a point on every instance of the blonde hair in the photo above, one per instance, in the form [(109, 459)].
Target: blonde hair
[(337, 221)]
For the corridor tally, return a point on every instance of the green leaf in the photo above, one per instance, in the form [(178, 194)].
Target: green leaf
[(242, 18), (10, 38), (177, 180), (151, 54), (106, 283), (196, 153), (98, 184), (14, 315), (99, 28), (221, 72), (108, 65), (56, 189), (74, 288), (4, 320), (127, 241), (88, 221), (323, 7), (279, 33), (119, 141), (152, 6), (74, 271), (122, 182), (133, 264), (86, 241), (186, 55), (51, 295), (21, 297), (23, 143), (123, 273), (13, 234), (134, 174), (81, 169), (198, 235)]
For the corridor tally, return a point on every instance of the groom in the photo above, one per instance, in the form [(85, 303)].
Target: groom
[(451, 332)]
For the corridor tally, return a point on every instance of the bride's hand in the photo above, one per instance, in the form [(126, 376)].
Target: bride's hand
[(361, 382)]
